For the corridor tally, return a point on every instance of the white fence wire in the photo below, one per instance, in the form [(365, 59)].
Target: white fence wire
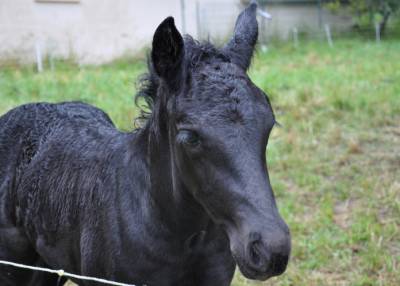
[(62, 273)]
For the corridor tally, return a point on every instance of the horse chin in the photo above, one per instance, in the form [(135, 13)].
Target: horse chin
[(248, 272)]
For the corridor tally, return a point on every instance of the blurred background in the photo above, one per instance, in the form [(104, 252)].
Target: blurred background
[(99, 31), (330, 68)]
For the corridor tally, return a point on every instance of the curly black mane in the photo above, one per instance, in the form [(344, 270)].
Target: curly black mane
[(196, 54)]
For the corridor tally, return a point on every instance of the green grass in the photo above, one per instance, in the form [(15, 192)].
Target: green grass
[(334, 163)]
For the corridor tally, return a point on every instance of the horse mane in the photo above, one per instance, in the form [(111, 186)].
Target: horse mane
[(196, 54)]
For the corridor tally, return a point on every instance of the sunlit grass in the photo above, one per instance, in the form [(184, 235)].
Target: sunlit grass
[(334, 163)]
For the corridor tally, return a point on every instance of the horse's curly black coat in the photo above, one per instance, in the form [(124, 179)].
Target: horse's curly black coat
[(179, 201)]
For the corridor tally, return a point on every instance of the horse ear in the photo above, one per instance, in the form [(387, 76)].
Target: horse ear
[(167, 51), (241, 47)]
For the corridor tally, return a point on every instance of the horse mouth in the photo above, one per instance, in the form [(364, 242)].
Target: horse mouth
[(249, 272)]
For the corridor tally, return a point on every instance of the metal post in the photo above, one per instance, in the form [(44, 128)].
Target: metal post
[(377, 33), (264, 17), (295, 37), (263, 37), (183, 16), (39, 61), (328, 35), (198, 22), (51, 55)]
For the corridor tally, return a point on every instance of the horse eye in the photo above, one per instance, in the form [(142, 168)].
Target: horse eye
[(188, 137)]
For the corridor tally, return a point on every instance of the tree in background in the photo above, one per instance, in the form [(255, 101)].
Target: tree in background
[(369, 12)]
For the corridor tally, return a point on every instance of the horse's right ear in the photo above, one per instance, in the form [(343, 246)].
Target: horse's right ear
[(167, 51)]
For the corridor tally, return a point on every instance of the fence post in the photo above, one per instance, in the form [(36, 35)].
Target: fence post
[(328, 35), (51, 48), (263, 38), (377, 33), (183, 16), (295, 37), (264, 16), (198, 23), (39, 61)]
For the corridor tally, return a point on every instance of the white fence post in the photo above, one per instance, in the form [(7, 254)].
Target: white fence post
[(295, 37), (39, 60), (328, 35), (198, 21), (183, 16), (377, 33)]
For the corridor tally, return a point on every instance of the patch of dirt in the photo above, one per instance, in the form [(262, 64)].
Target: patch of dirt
[(330, 278), (343, 211)]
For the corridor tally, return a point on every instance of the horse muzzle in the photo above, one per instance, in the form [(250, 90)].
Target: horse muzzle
[(262, 256)]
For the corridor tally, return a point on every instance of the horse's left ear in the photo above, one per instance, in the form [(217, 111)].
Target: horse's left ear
[(241, 47), (167, 51)]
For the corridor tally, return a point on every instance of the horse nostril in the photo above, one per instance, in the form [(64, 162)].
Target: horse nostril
[(259, 256), (254, 254)]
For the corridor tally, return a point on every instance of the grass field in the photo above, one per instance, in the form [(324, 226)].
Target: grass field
[(334, 163)]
